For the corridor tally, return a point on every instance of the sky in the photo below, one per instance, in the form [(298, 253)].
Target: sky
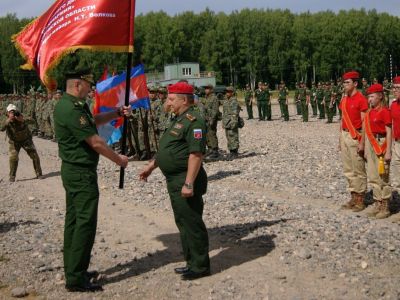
[(33, 8)]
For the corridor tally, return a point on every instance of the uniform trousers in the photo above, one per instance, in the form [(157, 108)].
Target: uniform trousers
[(188, 214), (395, 178), (353, 164), (82, 198), (380, 183)]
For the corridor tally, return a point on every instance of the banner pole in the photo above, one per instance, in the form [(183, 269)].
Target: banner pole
[(127, 89)]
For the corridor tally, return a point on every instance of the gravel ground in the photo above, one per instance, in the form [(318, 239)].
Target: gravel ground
[(276, 230)]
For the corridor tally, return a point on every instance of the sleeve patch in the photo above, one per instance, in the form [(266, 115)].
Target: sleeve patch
[(198, 134)]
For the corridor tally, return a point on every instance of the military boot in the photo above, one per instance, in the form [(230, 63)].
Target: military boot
[(12, 178), (214, 154), (233, 154), (384, 211), (350, 204), (359, 204), (373, 209)]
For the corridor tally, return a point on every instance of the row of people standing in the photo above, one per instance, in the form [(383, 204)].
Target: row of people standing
[(370, 145)]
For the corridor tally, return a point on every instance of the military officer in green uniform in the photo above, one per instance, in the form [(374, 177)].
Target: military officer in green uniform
[(248, 95), (364, 87), (328, 100), (261, 101), (304, 98), (320, 100), (212, 115), (283, 100), (268, 111), (180, 157), (230, 122), (387, 88), (19, 137), (313, 99), (297, 98), (79, 147)]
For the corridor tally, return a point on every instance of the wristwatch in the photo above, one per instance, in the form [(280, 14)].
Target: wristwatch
[(189, 186)]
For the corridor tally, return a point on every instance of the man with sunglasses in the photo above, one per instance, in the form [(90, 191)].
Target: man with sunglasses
[(353, 106)]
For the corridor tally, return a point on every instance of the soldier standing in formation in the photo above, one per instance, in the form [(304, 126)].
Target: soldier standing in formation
[(230, 122), (304, 98), (19, 136), (180, 157), (354, 106), (261, 101), (267, 92), (377, 143), (297, 99), (320, 100), (313, 99), (212, 115), (248, 100), (364, 86), (283, 100), (328, 102)]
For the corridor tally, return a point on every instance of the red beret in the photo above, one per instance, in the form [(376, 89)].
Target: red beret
[(180, 88), (396, 80), (351, 75), (375, 88)]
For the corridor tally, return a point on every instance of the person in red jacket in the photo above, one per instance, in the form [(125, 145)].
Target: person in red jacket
[(377, 142), (353, 106), (395, 112)]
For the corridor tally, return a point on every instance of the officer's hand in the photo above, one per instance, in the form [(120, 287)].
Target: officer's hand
[(126, 110), (186, 193), (123, 161), (145, 173)]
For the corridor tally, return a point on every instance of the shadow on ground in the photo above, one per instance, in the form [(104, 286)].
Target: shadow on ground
[(234, 242), (7, 226)]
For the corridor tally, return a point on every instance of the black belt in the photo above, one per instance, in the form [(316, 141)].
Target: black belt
[(358, 129), (379, 135)]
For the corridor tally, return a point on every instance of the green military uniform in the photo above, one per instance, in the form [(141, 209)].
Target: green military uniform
[(212, 116), (261, 96), (249, 105), (320, 101), (154, 121), (19, 137), (297, 99), (230, 122), (328, 104), (313, 100), (73, 124), (387, 87), (282, 98), (303, 94), (185, 135), (268, 103)]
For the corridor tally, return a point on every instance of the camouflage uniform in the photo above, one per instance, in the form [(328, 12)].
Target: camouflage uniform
[(320, 100), (211, 115), (230, 122), (304, 99), (247, 99), (19, 137), (328, 103), (297, 99), (282, 99), (313, 99)]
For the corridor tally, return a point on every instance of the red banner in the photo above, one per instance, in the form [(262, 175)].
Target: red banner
[(69, 25)]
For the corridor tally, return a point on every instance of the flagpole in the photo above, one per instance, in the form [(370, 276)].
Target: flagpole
[(127, 90)]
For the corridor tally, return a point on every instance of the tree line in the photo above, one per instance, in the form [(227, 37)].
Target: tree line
[(243, 46)]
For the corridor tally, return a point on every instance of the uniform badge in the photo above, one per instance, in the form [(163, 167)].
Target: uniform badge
[(198, 134), (174, 133), (83, 121), (178, 126)]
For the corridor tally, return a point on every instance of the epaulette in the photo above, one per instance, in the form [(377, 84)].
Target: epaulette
[(190, 117), (79, 103)]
